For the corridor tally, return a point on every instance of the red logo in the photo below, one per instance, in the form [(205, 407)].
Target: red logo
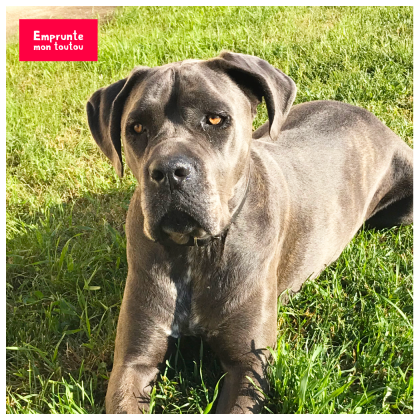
[(58, 39)]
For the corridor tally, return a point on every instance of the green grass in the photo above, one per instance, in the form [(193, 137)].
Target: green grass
[(344, 342)]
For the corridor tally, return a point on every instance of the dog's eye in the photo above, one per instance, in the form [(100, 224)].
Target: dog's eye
[(214, 120), (138, 128)]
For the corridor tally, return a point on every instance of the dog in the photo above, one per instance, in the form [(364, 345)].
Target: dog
[(225, 220)]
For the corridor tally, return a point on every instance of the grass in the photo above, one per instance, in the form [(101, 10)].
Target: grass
[(344, 342)]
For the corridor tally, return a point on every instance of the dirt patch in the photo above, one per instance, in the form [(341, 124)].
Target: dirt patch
[(13, 14)]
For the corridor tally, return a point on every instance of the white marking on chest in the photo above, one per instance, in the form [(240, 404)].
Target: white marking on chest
[(187, 278), (180, 294)]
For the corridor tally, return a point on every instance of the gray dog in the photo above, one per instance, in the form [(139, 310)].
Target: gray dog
[(225, 220)]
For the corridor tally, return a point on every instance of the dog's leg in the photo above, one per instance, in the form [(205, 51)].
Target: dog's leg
[(398, 213), (131, 382), (142, 345), (129, 389), (239, 393), (396, 205), (241, 344)]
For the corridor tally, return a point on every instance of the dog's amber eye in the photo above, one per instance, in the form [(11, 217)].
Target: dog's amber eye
[(215, 120), (138, 128)]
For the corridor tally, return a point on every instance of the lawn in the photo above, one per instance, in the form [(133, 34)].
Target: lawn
[(345, 342)]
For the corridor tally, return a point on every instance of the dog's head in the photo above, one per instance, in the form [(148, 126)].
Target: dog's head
[(187, 129)]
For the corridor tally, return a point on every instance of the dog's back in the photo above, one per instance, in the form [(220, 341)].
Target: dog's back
[(360, 169)]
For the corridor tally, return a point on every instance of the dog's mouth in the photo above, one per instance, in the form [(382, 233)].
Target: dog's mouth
[(179, 227)]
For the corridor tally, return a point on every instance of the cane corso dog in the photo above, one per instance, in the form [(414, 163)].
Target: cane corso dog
[(225, 220)]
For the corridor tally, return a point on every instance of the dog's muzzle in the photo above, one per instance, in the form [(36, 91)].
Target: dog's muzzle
[(183, 229)]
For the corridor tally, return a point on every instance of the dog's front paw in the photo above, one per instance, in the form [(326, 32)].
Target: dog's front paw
[(129, 390)]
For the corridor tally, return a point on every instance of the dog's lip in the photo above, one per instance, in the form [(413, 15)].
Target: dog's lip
[(196, 232), (180, 226), (182, 238)]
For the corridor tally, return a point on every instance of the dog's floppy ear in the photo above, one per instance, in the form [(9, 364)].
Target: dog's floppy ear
[(104, 111), (258, 79)]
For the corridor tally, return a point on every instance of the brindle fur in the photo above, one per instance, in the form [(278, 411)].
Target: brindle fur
[(315, 172)]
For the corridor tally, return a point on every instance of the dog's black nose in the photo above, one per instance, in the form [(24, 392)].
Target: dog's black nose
[(175, 171)]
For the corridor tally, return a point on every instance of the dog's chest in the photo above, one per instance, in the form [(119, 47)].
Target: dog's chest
[(193, 313), (186, 319)]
